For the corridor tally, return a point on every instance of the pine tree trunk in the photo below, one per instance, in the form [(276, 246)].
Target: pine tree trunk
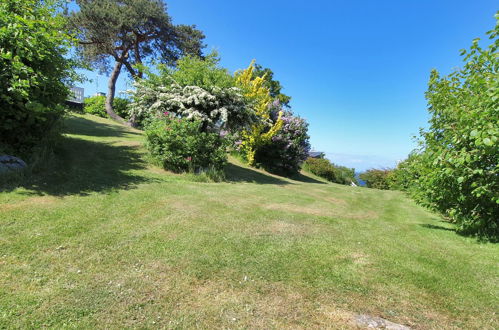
[(111, 89)]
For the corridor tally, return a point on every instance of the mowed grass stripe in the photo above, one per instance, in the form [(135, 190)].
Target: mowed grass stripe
[(102, 239)]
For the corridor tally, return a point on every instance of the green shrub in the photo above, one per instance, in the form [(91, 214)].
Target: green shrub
[(179, 145), (34, 71), (96, 105), (404, 176), (344, 175), (457, 170), (320, 167), (377, 178), (120, 107), (331, 172)]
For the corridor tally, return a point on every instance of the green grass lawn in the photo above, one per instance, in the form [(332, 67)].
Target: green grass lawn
[(104, 240)]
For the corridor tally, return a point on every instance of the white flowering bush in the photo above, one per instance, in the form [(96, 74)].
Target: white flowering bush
[(213, 106)]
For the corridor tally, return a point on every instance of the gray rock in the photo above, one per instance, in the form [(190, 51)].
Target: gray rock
[(378, 323), (4, 169), (11, 163)]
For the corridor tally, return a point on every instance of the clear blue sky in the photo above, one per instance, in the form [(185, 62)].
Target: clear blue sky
[(356, 70)]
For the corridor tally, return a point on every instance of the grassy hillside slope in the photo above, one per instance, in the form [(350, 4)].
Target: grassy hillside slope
[(104, 240)]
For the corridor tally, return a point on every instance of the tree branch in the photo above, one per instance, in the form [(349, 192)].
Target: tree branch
[(130, 69), (138, 58), (83, 42)]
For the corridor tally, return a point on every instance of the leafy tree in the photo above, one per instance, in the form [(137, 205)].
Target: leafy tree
[(274, 86), (262, 131), (131, 33), (195, 71), (404, 175), (458, 171), (377, 178), (34, 72)]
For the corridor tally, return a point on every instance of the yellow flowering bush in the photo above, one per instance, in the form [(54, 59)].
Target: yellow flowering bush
[(261, 132)]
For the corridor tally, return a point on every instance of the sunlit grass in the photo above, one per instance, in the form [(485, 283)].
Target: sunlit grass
[(105, 240)]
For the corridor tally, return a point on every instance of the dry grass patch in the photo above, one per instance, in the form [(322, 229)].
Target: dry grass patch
[(360, 258), (319, 195), (162, 296), (414, 309), (298, 209), (185, 207), (261, 306), (321, 211), (285, 228), (35, 201)]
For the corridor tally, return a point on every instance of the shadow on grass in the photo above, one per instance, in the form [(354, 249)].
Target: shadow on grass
[(483, 238), (82, 126), (81, 167), (306, 179), (235, 173), (430, 226)]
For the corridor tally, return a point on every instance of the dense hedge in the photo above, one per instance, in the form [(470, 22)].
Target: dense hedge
[(457, 172), (34, 73)]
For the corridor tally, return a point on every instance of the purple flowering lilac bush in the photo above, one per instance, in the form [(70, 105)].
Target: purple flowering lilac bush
[(289, 148)]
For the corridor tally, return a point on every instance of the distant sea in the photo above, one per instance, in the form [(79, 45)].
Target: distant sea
[(359, 181)]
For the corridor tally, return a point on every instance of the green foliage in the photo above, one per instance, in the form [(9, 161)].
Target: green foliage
[(404, 176), (458, 171), (34, 72), (120, 106), (344, 175), (320, 167), (96, 105), (377, 178), (179, 145), (194, 71), (329, 171)]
